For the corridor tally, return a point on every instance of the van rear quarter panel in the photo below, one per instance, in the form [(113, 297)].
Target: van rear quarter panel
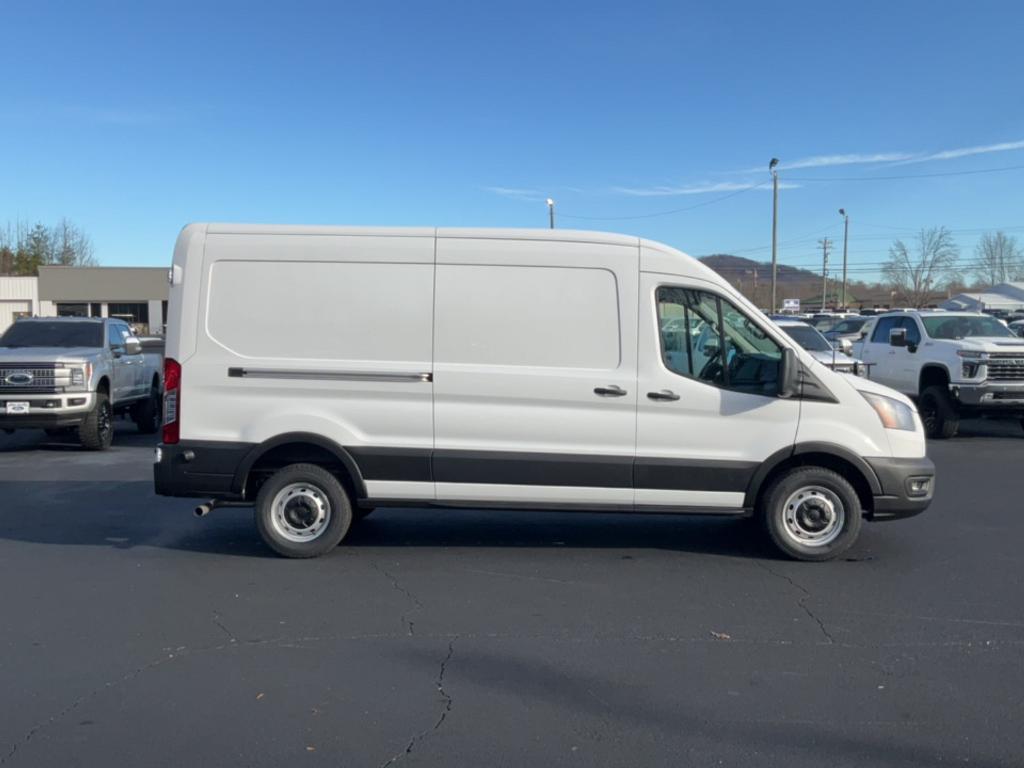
[(302, 307)]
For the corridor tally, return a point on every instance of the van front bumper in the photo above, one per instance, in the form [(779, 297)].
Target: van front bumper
[(199, 469), (908, 486)]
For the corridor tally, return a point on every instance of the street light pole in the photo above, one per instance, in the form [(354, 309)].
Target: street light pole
[(846, 239), (551, 213), (775, 227)]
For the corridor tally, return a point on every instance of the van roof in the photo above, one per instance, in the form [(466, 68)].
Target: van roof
[(500, 233)]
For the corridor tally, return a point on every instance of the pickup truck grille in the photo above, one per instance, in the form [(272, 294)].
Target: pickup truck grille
[(33, 378), (1006, 367)]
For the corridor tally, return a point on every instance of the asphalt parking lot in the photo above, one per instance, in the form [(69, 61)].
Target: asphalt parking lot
[(136, 634)]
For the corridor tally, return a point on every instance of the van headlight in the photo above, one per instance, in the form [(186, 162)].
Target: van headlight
[(892, 413)]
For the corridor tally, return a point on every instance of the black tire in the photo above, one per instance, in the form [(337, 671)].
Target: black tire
[(96, 432), (785, 520), (313, 486), (938, 413), (147, 415)]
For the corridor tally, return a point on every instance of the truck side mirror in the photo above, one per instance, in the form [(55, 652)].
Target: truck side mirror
[(898, 337), (789, 374), (132, 346)]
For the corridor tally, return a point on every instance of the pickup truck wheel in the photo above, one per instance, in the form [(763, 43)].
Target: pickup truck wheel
[(811, 513), (302, 511), (146, 414), (938, 413), (96, 432)]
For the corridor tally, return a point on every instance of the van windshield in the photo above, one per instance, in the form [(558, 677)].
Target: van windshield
[(40, 333), (964, 326)]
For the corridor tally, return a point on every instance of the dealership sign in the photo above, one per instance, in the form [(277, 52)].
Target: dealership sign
[(791, 305)]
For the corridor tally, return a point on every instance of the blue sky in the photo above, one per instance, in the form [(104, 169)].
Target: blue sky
[(133, 119)]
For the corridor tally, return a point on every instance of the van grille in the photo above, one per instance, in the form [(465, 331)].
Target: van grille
[(33, 378)]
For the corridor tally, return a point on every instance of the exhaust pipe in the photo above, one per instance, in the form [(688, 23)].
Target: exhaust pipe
[(203, 509)]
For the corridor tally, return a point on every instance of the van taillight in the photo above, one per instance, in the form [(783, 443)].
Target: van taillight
[(172, 401)]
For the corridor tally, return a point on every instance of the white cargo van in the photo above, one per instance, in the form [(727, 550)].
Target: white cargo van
[(320, 372)]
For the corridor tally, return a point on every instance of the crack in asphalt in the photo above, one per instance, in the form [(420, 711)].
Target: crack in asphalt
[(217, 619), (445, 710), (802, 602), (418, 605), (182, 652)]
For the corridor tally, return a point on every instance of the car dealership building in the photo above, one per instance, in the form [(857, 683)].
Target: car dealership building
[(135, 294)]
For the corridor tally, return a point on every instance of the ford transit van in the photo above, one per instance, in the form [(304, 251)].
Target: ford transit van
[(317, 373)]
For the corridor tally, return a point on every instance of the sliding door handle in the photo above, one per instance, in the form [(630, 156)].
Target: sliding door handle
[(665, 394), (612, 391)]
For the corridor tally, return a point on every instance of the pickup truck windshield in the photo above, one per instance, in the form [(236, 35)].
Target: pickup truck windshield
[(807, 337), (963, 327), (36, 333)]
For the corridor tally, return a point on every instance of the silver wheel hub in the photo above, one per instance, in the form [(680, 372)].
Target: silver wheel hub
[(813, 516), (300, 512)]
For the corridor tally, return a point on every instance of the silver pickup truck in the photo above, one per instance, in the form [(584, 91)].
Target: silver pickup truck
[(74, 375)]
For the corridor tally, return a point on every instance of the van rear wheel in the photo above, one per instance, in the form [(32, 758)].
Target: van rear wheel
[(811, 513), (302, 511)]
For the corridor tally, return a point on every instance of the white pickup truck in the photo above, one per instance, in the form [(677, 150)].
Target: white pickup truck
[(76, 374), (954, 363)]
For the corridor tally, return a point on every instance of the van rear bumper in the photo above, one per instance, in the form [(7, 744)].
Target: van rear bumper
[(899, 479), (199, 469)]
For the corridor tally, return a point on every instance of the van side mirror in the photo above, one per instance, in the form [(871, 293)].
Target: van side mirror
[(898, 337), (789, 374)]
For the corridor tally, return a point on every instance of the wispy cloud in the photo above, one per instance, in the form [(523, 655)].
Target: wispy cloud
[(694, 189), (952, 154), (889, 158), (517, 193)]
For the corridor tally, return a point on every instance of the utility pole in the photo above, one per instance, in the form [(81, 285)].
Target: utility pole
[(846, 239), (755, 288), (775, 228), (825, 245), (551, 213)]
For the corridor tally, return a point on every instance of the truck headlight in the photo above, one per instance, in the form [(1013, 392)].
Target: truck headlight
[(892, 413), (80, 375)]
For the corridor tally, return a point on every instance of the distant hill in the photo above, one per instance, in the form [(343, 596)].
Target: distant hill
[(754, 280)]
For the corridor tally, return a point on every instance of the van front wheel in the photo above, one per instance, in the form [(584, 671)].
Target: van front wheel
[(812, 513), (303, 511)]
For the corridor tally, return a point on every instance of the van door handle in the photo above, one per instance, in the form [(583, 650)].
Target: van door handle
[(665, 394), (612, 391)]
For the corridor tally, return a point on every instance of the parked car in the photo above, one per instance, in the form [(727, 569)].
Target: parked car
[(77, 374), (848, 328), (507, 368), (1017, 326), (821, 349), (954, 363)]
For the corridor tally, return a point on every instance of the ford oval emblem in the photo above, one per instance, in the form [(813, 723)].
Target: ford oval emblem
[(19, 378)]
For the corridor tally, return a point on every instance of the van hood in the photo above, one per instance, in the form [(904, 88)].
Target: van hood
[(48, 354), (874, 388)]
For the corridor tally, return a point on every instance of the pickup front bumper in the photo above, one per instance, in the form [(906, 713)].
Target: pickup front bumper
[(47, 411), (990, 395)]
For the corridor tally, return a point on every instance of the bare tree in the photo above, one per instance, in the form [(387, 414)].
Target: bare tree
[(30, 247), (931, 266), (998, 259)]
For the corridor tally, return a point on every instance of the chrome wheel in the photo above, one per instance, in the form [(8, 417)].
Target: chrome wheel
[(813, 516), (300, 512)]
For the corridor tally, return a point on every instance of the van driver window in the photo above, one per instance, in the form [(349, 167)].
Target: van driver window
[(707, 338)]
